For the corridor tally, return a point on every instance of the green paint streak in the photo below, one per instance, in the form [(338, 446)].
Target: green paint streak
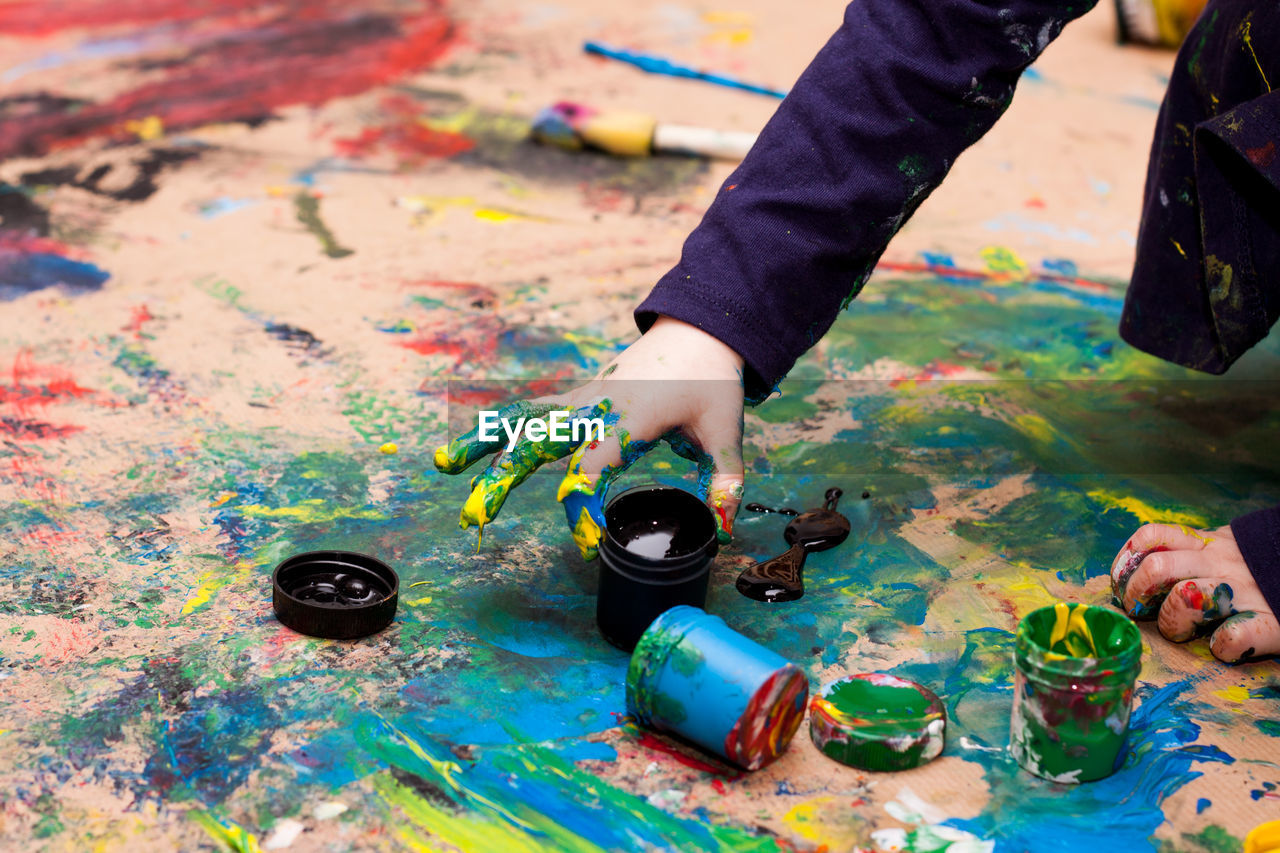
[(780, 410), (1214, 839), (1268, 727), (307, 207), (479, 809)]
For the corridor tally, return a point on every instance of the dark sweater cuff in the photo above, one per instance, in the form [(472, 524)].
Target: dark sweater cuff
[(677, 295), (1258, 535)]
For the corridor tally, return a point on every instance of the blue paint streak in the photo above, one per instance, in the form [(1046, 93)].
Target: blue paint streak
[(224, 205), (660, 65), (26, 272), (1026, 813)]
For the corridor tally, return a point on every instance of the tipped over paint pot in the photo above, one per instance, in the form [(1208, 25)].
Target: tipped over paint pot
[(655, 554), (876, 721), (694, 676), (1075, 667)]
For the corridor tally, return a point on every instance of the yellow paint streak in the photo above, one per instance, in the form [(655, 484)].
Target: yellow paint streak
[(1247, 36), (464, 830), (826, 822), (147, 129), (1145, 512), (228, 834), (1195, 534), (1069, 627), (490, 214), (428, 207), (1234, 693), (211, 582), (223, 498), (426, 599), (1036, 428), (1178, 246), (1004, 262), (311, 511)]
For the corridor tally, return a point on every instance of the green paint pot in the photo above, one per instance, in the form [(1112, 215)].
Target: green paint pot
[(875, 721), (1073, 687)]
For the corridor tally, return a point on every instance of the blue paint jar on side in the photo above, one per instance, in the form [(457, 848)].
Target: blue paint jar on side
[(694, 676)]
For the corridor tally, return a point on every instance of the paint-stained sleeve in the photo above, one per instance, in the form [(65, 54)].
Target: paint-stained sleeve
[(870, 128), (1258, 536)]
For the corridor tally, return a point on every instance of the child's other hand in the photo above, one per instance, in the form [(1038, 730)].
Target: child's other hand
[(1198, 583), (676, 384)]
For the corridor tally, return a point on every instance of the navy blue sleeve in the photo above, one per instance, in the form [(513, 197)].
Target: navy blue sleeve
[(870, 128), (1258, 536)]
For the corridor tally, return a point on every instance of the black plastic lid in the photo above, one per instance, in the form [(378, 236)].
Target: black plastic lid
[(339, 595)]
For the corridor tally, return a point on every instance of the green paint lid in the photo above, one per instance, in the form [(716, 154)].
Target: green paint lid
[(876, 721)]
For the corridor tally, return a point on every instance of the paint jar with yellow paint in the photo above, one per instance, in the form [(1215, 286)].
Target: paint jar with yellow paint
[(655, 554), (1075, 667)]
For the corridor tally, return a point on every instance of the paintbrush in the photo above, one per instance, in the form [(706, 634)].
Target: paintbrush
[(629, 134), (1156, 22), (662, 65)]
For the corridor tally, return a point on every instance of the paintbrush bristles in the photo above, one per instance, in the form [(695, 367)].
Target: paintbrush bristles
[(626, 134), (575, 126)]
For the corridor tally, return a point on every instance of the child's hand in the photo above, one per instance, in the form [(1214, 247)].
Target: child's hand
[(676, 384), (1199, 583)]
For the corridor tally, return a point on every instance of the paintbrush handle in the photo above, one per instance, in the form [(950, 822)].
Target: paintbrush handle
[(706, 142)]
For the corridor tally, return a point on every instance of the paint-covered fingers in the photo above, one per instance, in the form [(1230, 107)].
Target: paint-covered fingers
[(492, 432), (1193, 607), (1245, 637), (1152, 539), (541, 434), (720, 476), (592, 468), (1145, 588)]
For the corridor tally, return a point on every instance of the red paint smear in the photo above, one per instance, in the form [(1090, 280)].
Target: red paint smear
[(648, 740), (26, 391), (411, 141), (42, 18), (25, 243), (140, 316), (719, 787), (242, 73), (982, 275), (405, 135)]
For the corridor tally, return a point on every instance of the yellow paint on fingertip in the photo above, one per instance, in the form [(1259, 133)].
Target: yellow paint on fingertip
[(586, 533), (574, 481), (389, 448)]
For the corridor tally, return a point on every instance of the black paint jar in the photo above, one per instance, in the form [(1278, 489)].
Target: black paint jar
[(656, 553)]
